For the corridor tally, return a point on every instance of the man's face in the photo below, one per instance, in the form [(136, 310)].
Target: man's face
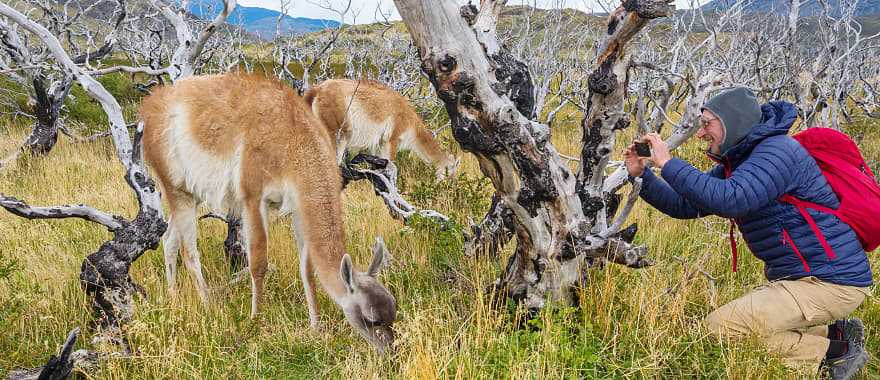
[(711, 131)]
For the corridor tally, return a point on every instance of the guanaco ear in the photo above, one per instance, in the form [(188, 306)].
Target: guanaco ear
[(455, 166), (346, 270), (380, 257)]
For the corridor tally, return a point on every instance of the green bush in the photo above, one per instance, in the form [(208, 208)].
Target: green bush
[(83, 109)]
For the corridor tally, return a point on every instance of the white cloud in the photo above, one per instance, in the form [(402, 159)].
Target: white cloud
[(361, 11), (367, 11)]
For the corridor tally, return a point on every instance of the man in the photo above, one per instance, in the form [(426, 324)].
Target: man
[(799, 313)]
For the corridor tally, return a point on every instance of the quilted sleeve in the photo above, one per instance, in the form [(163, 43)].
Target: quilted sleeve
[(765, 175), (661, 196)]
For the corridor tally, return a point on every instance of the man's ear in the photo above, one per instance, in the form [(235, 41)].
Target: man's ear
[(346, 271)]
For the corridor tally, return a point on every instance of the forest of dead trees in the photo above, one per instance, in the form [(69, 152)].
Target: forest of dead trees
[(505, 76)]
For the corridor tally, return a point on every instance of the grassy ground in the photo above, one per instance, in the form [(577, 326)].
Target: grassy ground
[(631, 323)]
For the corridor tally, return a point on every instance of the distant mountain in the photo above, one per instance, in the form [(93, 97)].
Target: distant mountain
[(810, 8), (260, 21)]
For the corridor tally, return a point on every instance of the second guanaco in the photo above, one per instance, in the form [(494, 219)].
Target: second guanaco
[(367, 115)]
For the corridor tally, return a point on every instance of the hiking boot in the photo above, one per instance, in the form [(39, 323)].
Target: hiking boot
[(853, 330), (846, 366)]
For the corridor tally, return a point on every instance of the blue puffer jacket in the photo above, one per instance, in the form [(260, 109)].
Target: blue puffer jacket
[(765, 165)]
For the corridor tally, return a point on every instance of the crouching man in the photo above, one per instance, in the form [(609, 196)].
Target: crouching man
[(801, 313)]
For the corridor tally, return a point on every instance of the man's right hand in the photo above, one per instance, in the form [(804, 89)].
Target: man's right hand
[(635, 165)]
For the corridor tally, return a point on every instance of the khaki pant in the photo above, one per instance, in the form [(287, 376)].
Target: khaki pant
[(790, 317)]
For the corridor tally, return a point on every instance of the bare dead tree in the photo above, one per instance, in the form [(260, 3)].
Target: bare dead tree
[(682, 75), (382, 174), (189, 46), (224, 51), (142, 36), (145, 40), (770, 53), (392, 60), (868, 73), (62, 366), (553, 44), (104, 274), (311, 52), (46, 84), (825, 63), (559, 217)]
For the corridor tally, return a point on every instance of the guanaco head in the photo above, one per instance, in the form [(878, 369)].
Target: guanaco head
[(369, 307), (448, 167)]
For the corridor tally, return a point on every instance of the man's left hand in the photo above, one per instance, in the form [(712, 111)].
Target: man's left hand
[(659, 150)]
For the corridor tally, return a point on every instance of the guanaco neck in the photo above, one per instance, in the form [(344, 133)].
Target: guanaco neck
[(429, 147), (329, 273), (324, 232)]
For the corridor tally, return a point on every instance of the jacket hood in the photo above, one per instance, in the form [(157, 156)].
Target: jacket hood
[(776, 119)]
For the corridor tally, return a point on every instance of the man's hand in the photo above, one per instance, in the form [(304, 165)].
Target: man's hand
[(635, 165), (659, 150)]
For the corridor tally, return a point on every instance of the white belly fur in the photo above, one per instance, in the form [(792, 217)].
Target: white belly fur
[(211, 179), (367, 134)]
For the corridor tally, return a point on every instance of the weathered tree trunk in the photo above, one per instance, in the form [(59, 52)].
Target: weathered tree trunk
[(104, 274), (558, 218), (493, 232), (47, 100), (47, 108), (608, 83), (233, 245), (59, 367)]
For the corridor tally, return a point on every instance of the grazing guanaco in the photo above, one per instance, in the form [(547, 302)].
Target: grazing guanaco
[(245, 143), (366, 115)]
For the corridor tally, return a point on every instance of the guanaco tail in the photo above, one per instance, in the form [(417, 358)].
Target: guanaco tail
[(366, 115), (246, 143)]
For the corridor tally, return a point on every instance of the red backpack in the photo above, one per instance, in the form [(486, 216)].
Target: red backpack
[(850, 178)]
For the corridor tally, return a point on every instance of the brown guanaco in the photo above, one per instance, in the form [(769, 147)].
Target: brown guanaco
[(243, 143), (367, 115)]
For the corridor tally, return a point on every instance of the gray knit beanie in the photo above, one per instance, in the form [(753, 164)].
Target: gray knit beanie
[(738, 110)]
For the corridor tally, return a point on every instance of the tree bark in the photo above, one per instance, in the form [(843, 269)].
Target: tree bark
[(47, 107), (605, 114), (59, 367), (489, 98), (493, 232), (233, 245), (382, 174)]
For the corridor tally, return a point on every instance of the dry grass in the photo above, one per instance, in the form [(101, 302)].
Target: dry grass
[(628, 325)]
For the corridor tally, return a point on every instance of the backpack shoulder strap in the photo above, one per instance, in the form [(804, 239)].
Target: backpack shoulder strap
[(802, 207)]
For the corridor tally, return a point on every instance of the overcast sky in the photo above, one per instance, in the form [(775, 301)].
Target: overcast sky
[(367, 11)]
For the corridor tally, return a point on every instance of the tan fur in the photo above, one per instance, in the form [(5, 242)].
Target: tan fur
[(391, 122), (268, 147)]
